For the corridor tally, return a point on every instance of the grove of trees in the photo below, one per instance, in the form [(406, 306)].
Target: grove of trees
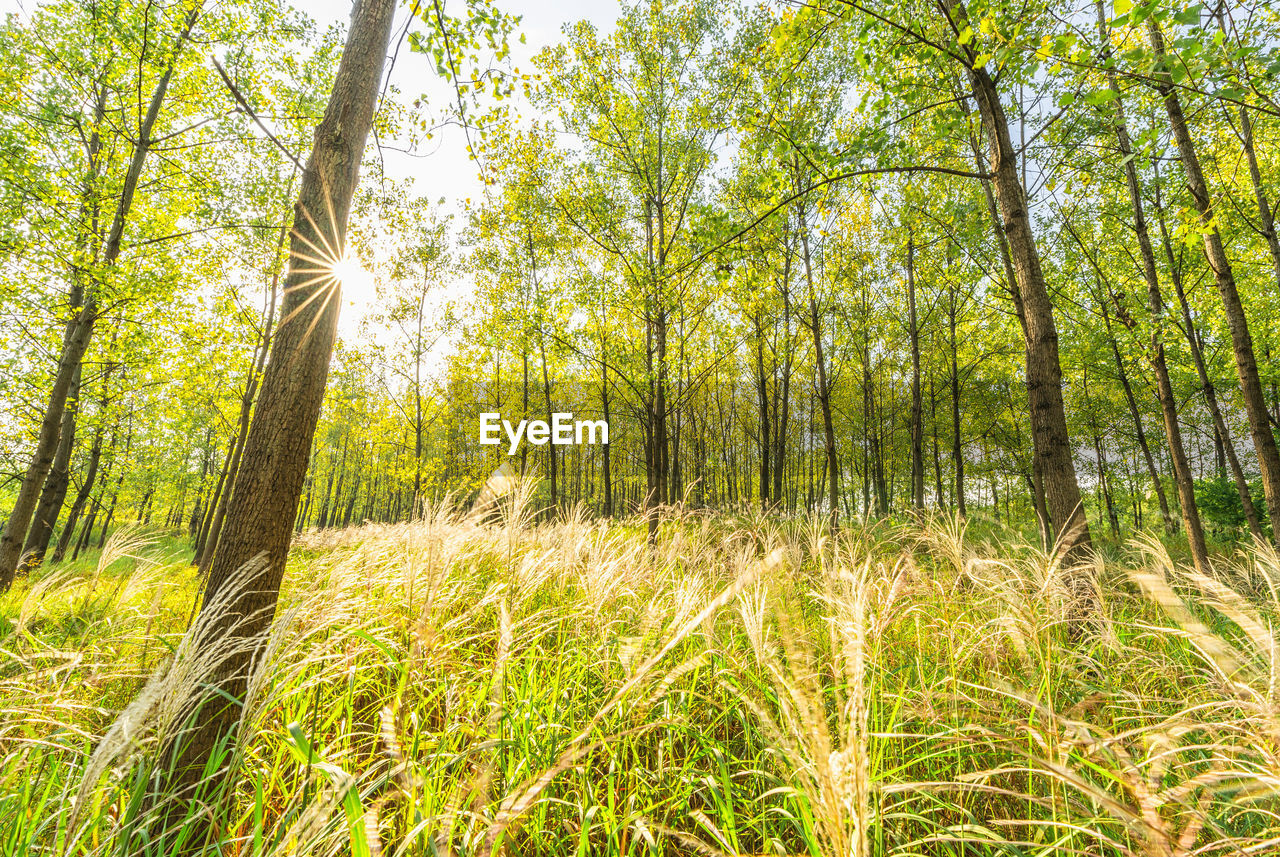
[(836, 257), (850, 258)]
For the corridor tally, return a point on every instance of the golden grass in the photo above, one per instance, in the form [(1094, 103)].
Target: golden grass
[(472, 685)]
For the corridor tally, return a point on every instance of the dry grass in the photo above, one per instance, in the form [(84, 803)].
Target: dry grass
[(482, 685)]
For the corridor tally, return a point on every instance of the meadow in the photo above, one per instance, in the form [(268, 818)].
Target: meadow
[(745, 685)]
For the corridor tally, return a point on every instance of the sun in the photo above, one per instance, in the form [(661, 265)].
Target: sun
[(348, 271)]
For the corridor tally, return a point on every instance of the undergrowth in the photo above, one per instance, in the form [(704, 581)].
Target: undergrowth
[(743, 686)]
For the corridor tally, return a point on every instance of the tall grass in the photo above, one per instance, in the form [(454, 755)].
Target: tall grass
[(473, 685)]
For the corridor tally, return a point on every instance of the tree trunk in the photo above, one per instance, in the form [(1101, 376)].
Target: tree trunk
[(762, 393), (78, 336), (268, 486), (524, 388), (782, 397), (957, 446), (82, 497), (1156, 483), (206, 519), (551, 449), (938, 492), (46, 445), (111, 511), (55, 484), (204, 553), (1266, 216), (1051, 439), (1255, 404), (1155, 304), (1224, 448), (606, 473), (824, 390), (917, 409)]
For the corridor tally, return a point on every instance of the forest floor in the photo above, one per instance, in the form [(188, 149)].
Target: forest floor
[(746, 686)]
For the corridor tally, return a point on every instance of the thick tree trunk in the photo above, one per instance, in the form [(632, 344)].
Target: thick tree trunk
[(1255, 403), (1051, 439), (268, 486)]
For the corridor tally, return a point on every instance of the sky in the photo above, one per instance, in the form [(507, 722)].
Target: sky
[(444, 169)]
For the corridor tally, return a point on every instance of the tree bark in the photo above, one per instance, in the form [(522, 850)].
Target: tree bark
[(917, 409), (1255, 403), (268, 486), (1051, 439)]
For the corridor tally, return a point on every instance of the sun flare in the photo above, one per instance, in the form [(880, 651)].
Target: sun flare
[(348, 271)]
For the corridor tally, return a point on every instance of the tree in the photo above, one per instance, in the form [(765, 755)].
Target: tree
[(1255, 404), (277, 449), (79, 329)]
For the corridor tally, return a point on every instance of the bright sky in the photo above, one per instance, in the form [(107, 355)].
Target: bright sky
[(443, 169)]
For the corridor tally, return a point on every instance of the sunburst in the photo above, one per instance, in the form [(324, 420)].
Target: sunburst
[(325, 264)]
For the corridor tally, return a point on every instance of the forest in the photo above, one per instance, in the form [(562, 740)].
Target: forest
[(919, 468)]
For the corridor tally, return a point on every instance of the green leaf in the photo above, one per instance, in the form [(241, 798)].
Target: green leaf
[(1189, 16)]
